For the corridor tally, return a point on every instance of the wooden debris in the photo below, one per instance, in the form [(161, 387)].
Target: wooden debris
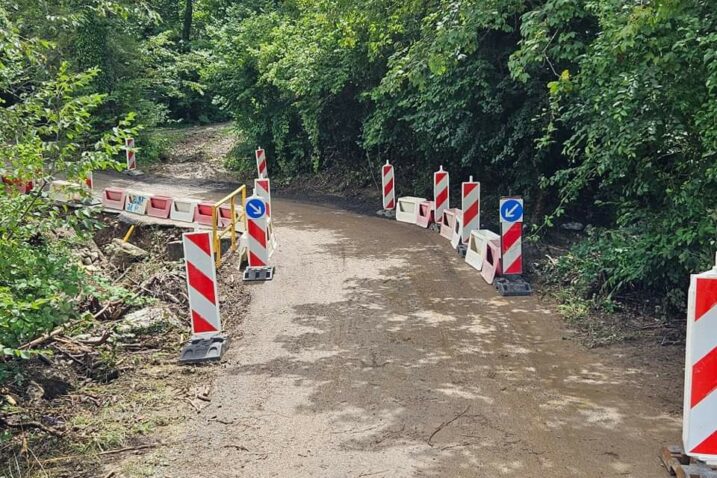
[(678, 464)]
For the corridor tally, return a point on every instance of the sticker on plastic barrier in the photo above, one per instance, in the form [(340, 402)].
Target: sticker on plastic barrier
[(136, 203)]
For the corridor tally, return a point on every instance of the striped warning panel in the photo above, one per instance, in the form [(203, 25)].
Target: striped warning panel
[(262, 188), (470, 192), (131, 159), (261, 167), (441, 194), (201, 283), (700, 407), (389, 193)]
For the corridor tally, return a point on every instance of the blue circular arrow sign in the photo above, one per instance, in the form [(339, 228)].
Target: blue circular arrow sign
[(255, 208), (511, 211)]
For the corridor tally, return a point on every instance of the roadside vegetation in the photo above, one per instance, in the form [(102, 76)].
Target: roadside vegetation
[(601, 112)]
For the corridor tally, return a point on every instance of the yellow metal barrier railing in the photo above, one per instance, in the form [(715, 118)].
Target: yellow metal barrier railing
[(217, 232)]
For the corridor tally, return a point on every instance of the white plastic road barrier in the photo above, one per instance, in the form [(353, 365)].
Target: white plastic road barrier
[(131, 159), (407, 209), (448, 223), (426, 214), (202, 283), (470, 193), (114, 198), (511, 229), (387, 184), (257, 240), (261, 168), (64, 191), (441, 194), (262, 188), (491, 262), (699, 427), (160, 206), (183, 210), (136, 202), (477, 247)]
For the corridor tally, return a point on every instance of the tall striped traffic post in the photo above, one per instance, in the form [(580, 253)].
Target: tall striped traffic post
[(131, 158), (207, 342), (262, 188), (699, 428), (258, 238), (441, 194), (511, 248), (387, 183), (261, 168), (470, 192), (90, 181)]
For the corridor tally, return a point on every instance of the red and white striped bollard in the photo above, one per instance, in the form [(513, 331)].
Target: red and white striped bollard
[(699, 428), (131, 159), (257, 240), (261, 167), (202, 283), (262, 188), (441, 194), (387, 183), (470, 192), (511, 232)]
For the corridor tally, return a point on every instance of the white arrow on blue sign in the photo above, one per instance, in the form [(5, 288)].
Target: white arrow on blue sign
[(255, 208), (511, 210)]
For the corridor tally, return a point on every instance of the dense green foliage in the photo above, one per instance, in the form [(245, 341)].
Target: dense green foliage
[(600, 110)]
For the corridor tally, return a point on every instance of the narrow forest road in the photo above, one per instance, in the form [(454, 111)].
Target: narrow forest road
[(376, 352)]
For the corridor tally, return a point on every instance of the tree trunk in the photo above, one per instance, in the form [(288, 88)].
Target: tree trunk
[(187, 26)]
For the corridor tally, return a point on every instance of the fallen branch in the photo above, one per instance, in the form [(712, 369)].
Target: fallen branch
[(32, 424), (445, 424), (130, 448)]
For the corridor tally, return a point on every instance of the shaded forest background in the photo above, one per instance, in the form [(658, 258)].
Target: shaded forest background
[(603, 111)]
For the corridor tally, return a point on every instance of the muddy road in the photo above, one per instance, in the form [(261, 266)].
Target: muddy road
[(376, 352)]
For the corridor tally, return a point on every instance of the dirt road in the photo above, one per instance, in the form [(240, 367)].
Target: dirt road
[(377, 352)]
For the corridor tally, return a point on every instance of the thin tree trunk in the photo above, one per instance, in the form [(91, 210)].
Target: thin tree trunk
[(187, 26)]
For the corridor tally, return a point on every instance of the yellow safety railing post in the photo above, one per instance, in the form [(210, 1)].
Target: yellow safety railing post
[(217, 232)]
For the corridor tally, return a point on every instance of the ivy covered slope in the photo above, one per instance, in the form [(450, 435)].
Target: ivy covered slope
[(601, 110)]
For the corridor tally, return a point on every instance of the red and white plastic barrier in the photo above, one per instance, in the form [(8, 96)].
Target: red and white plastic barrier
[(491, 262), (262, 188), (261, 167), (699, 429), (449, 222), (441, 193), (160, 207), (257, 237), (477, 247), (511, 228), (203, 213), (202, 283), (426, 214), (470, 197), (387, 183), (457, 230), (22, 186), (131, 158), (114, 198), (90, 181)]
